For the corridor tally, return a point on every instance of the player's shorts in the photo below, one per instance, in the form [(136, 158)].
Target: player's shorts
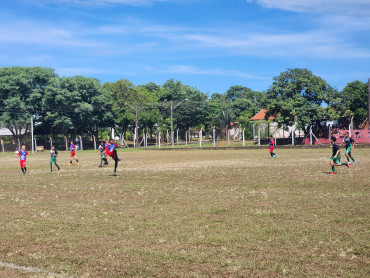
[(23, 163), (348, 150), (336, 160), (102, 155), (73, 153), (111, 154), (271, 149)]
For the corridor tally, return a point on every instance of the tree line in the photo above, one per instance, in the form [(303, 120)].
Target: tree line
[(72, 106)]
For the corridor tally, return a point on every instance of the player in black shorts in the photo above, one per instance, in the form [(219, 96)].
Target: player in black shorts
[(335, 158), (350, 143)]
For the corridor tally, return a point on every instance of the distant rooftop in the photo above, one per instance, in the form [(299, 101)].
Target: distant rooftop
[(261, 116)]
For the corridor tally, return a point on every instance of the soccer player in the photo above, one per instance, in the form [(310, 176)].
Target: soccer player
[(272, 145), (350, 143), (101, 151), (23, 156), (110, 150), (105, 145), (73, 149), (335, 159), (53, 158)]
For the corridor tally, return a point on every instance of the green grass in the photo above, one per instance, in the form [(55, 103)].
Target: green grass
[(188, 213)]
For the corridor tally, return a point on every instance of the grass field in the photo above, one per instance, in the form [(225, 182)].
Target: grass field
[(187, 213)]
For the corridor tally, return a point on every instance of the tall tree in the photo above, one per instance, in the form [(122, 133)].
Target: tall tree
[(298, 96), (22, 90), (355, 101)]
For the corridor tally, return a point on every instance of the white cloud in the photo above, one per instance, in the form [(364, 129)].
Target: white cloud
[(344, 7), (191, 70), (40, 33)]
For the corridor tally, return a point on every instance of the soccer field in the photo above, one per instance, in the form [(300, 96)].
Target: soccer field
[(186, 213)]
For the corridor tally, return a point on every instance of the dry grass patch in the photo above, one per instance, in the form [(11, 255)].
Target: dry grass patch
[(189, 214)]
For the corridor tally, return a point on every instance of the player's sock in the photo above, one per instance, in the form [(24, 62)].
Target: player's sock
[(25, 170), (333, 169), (70, 162), (101, 162), (348, 159), (22, 170), (77, 160), (115, 163), (51, 166), (105, 161), (57, 166), (272, 155)]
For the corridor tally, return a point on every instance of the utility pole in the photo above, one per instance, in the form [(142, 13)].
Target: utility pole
[(136, 127), (136, 139), (33, 146), (172, 126), (172, 108), (255, 105)]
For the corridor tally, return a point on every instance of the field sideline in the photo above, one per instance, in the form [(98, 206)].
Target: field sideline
[(187, 213)]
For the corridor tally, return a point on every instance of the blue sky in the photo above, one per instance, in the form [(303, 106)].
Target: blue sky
[(208, 44)]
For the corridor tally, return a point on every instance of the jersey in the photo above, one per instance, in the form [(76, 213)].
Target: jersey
[(101, 148), (272, 143), (111, 147), (349, 141), (22, 155), (53, 153), (72, 147), (335, 149)]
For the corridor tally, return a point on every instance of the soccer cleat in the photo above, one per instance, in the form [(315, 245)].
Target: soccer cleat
[(353, 163), (333, 173), (100, 166), (26, 172), (347, 164), (275, 155)]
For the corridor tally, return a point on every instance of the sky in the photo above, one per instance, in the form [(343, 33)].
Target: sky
[(207, 44)]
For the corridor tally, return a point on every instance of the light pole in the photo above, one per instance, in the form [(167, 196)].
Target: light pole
[(136, 143), (33, 147), (214, 137), (173, 108)]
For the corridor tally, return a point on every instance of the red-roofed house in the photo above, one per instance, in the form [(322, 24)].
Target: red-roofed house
[(272, 127), (260, 116)]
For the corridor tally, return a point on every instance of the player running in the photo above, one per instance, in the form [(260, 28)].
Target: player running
[(53, 158), (110, 150), (101, 151), (73, 149), (350, 143), (272, 145), (335, 159), (23, 156)]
